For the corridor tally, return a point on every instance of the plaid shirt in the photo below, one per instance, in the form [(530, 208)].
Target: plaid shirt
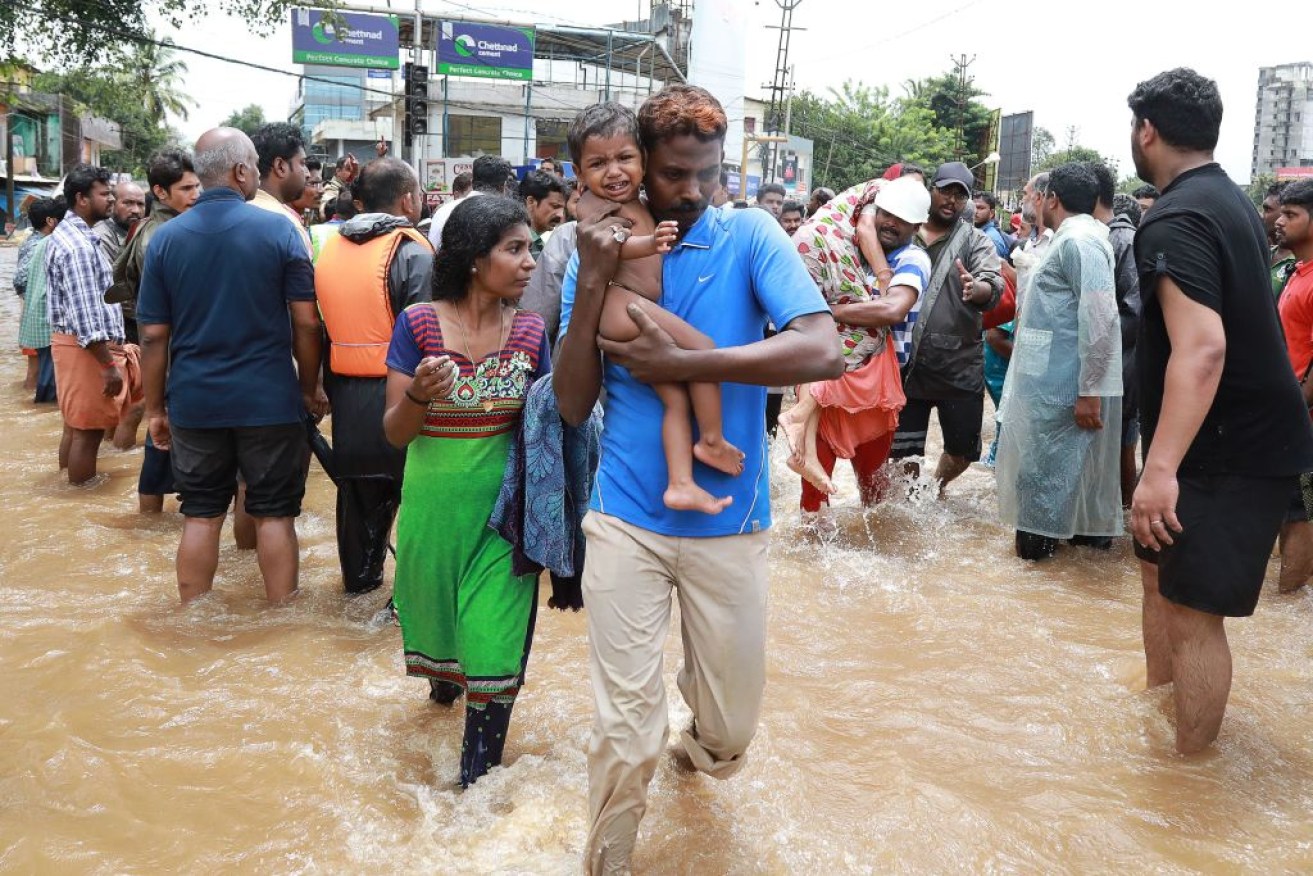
[(25, 257), (77, 275)]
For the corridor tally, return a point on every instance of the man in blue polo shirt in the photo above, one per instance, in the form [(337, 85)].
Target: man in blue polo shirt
[(216, 291), (727, 275)]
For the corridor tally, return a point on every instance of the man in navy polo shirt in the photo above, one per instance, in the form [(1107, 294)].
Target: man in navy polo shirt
[(216, 291), (728, 274)]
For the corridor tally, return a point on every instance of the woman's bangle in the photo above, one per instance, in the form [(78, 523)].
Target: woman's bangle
[(422, 402)]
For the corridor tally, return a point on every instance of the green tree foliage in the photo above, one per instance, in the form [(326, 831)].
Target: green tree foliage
[(858, 131), (246, 120), (1258, 187), (156, 74), (954, 105), (1071, 153), (104, 95), (137, 90), (1129, 184), (1042, 146), (84, 31)]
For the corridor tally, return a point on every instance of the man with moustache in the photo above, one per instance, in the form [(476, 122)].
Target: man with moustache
[(175, 185), (727, 274), (129, 206), (94, 368), (1294, 232), (283, 174), (945, 362)]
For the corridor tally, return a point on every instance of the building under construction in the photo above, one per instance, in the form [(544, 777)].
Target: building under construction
[(520, 103)]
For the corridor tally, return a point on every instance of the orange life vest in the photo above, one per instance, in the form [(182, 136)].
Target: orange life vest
[(351, 283)]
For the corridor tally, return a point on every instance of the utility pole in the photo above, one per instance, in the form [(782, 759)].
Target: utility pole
[(788, 104), (1072, 133), (779, 88), (11, 212), (960, 65), (417, 149)]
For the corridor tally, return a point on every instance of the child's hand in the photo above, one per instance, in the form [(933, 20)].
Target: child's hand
[(665, 235)]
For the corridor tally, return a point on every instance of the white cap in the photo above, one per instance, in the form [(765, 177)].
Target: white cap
[(906, 198)]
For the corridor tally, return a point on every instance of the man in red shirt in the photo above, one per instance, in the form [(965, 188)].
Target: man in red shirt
[(1294, 231)]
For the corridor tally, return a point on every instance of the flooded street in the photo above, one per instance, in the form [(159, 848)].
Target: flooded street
[(934, 705)]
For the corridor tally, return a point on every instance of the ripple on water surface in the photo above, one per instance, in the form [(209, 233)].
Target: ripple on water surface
[(934, 705)]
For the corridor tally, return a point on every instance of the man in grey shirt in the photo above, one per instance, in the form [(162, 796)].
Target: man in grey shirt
[(129, 206)]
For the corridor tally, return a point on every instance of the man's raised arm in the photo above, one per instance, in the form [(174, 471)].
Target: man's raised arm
[(577, 372)]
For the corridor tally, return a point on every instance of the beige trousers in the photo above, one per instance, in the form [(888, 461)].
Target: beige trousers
[(627, 583)]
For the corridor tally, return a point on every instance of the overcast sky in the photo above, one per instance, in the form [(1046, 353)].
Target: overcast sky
[(1071, 68)]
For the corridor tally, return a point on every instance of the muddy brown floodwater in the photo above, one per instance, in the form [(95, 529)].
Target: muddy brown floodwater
[(934, 706)]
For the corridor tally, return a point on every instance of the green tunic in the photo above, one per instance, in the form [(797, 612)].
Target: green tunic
[(465, 616)]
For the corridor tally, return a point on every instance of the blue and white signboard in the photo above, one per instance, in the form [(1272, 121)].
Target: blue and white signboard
[(345, 39), (732, 183), (488, 51)]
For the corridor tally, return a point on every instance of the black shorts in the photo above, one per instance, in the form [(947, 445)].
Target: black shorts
[(1297, 510), (959, 420), (271, 460), (1218, 561), (156, 471)]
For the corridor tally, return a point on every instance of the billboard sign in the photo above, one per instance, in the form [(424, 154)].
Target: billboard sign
[(1014, 151), (345, 39), (732, 183), (487, 51), (439, 173)]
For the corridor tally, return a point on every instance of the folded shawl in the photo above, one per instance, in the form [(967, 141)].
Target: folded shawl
[(545, 491)]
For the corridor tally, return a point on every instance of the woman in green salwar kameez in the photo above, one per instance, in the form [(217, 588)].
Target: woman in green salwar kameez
[(458, 371)]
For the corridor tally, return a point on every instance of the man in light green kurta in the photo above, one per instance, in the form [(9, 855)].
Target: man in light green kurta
[(1058, 458)]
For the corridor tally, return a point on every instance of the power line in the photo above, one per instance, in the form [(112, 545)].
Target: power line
[(389, 95)]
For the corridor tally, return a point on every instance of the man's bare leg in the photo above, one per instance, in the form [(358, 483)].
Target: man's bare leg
[(1201, 669), (33, 370), (279, 556), (83, 446), (1153, 619), (65, 444), (125, 434), (243, 523), (1130, 475), (1296, 556), (148, 503), (198, 556)]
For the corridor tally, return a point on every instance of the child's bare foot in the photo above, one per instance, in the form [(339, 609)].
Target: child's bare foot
[(812, 473), (720, 455), (691, 497)]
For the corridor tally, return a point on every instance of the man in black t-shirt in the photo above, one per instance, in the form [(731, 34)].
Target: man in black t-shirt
[(1225, 429)]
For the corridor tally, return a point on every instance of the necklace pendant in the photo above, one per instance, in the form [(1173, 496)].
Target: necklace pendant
[(487, 405)]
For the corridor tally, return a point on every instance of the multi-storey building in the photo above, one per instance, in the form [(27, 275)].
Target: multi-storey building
[(1283, 118)]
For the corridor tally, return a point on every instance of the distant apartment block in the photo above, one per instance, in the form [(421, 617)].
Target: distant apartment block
[(1283, 118)]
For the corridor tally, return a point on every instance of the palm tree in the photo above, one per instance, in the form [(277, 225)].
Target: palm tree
[(156, 74)]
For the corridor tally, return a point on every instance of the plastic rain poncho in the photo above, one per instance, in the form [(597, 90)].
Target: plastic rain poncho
[(1055, 478)]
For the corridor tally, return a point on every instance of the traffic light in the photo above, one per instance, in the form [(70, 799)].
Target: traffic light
[(415, 79)]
